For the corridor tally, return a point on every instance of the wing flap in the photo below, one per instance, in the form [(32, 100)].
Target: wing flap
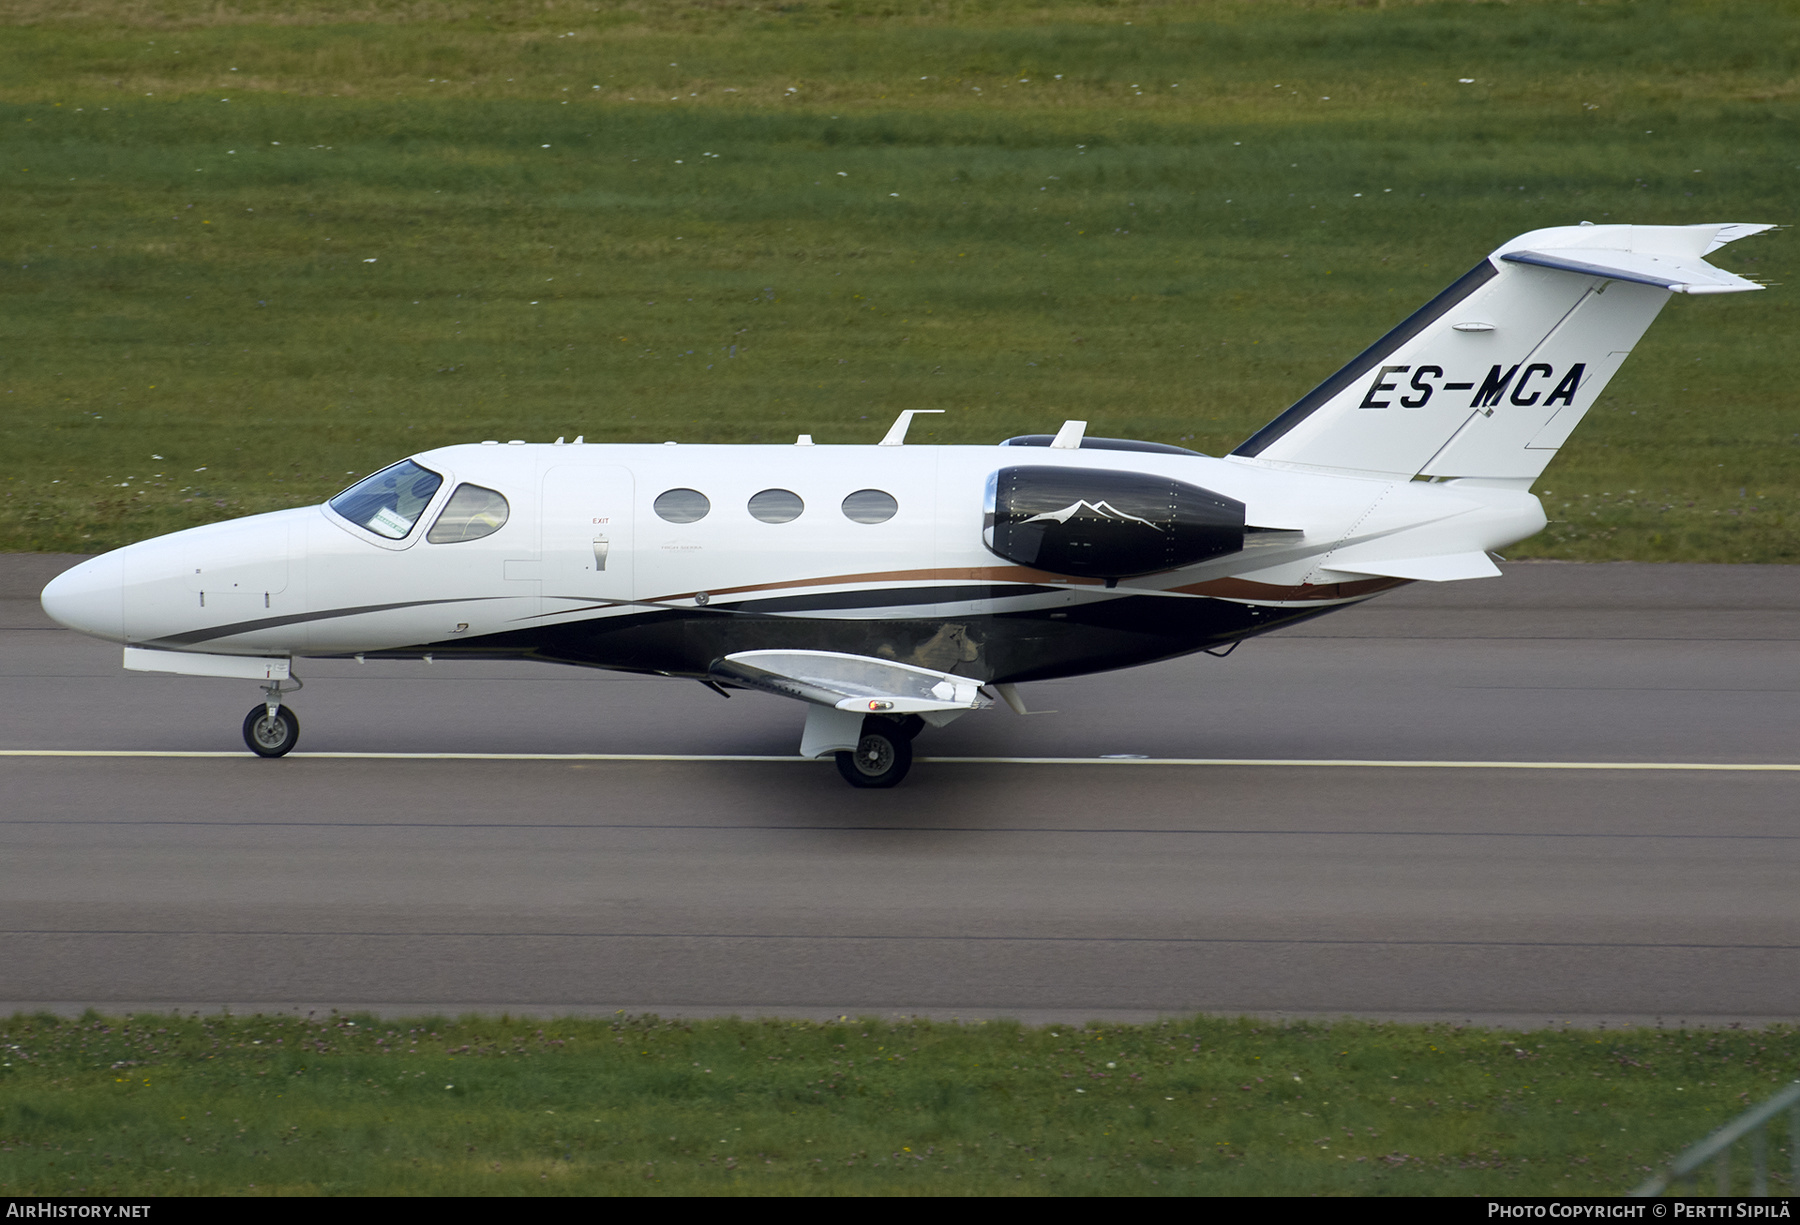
[(852, 682)]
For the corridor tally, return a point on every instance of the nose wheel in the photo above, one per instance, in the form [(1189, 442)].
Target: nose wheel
[(882, 756), (271, 729), (271, 735)]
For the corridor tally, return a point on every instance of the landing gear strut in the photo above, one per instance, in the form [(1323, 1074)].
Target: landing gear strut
[(884, 753), (907, 725), (271, 729)]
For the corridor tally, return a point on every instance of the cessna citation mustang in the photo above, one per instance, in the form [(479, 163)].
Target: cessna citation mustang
[(888, 587)]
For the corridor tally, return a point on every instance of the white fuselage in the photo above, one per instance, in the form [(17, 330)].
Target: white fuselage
[(308, 582)]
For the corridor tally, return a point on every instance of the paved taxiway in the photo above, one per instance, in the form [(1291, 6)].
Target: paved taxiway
[(1039, 891)]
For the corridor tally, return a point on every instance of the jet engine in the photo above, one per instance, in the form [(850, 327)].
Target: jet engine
[(1095, 523)]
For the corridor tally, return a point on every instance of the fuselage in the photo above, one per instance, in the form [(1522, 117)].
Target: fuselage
[(604, 556)]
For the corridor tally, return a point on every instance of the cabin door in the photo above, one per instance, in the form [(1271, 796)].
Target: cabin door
[(586, 535)]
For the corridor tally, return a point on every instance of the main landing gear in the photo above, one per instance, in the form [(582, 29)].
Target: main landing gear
[(884, 753), (271, 729)]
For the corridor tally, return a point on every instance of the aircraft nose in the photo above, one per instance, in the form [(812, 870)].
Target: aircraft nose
[(90, 598)]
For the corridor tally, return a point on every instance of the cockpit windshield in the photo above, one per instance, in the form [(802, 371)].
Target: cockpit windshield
[(391, 501)]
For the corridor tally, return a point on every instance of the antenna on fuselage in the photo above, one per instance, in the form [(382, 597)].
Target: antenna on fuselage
[(896, 435)]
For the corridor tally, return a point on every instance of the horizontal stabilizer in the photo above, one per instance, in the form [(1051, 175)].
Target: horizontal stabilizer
[(852, 682), (1677, 274), (1445, 568)]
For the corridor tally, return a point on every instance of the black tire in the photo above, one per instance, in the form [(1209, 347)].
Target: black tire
[(271, 737), (881, 759)]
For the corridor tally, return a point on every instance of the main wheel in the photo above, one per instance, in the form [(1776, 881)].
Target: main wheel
[(270, 737), (882, 756)]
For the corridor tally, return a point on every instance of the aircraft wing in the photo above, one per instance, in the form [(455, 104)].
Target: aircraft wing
[(851, 682)]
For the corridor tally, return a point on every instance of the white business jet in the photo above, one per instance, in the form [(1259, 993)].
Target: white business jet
[(890, 587)]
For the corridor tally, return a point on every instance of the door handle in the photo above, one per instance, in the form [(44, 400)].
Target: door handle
[(600, 547)]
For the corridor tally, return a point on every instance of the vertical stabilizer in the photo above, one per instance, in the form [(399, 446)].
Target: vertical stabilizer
[(1490, 377)]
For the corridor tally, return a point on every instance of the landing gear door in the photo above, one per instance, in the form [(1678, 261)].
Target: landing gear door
[(587, 536)]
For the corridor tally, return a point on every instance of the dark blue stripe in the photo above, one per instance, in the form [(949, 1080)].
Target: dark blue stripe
[(263, 623), (888, 597)]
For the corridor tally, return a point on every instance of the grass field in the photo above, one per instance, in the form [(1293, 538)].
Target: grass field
[(257, 248), (161, 1105)]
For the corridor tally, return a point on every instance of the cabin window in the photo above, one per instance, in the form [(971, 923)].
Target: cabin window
[(682, 506), (870, 506), (391, 501), (471, 513), (776, 506)]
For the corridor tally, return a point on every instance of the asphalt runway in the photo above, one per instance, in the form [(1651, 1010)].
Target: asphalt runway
[(1064, 889)]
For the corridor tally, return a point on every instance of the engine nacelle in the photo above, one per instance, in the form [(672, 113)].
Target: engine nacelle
[(1095, 523)]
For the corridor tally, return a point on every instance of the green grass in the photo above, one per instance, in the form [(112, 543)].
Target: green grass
[(1161, 241), (161, 1105)]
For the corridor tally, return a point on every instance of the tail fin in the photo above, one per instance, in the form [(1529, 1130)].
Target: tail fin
[(1490, 377)]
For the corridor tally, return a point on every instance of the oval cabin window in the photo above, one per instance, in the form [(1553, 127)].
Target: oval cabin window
[(682, 506), (870, 506), (776, 506)]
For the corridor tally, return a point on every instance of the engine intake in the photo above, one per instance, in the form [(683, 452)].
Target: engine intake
[(1095, 523)]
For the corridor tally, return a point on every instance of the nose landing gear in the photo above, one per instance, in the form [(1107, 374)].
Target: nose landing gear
[(271, 729)]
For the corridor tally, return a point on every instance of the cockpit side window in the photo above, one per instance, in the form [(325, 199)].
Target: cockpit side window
[(391, 501), (471, 513)]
